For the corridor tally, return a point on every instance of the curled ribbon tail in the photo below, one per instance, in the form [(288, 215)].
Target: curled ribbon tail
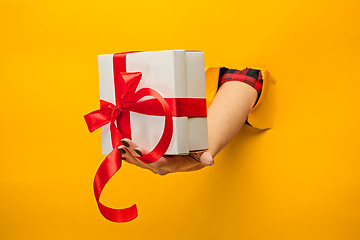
[(107, 169)]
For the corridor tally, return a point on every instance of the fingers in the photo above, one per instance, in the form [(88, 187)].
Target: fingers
[(128, 157), (207, 159), (134, 149), (157, 167)]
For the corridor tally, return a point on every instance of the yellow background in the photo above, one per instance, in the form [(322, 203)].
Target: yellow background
[(299, 180)]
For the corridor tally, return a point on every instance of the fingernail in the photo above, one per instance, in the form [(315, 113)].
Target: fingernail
[(122, 150), (123, 158), (212, 163), (126, 144), (138, 152)]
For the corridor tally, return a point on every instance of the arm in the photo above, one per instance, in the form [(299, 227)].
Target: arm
[(228, 113)]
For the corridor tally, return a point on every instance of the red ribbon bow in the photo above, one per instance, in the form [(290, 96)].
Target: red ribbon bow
[(128, 99)]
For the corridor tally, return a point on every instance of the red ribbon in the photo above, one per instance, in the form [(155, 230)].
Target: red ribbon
[(128, 99)]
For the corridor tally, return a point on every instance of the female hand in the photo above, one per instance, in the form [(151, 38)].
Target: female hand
[(167, 163)]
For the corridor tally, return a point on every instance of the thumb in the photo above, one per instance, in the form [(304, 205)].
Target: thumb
[(207, 159)]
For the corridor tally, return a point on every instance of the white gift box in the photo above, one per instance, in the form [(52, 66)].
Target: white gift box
[(172, 73)]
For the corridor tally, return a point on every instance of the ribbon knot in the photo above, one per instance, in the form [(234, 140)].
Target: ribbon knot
[(119, 108), (115, 113)]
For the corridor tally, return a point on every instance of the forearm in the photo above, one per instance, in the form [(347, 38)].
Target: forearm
[(228, 112)]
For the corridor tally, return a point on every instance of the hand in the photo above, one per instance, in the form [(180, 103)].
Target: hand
[(167, 163)]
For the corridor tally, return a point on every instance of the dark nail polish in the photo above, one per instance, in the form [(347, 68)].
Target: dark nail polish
[(123, 158), (126, 144), (122, 150), (138, 152)]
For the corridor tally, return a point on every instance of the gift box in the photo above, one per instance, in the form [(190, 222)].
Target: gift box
[(157, 99), (179, 77)]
